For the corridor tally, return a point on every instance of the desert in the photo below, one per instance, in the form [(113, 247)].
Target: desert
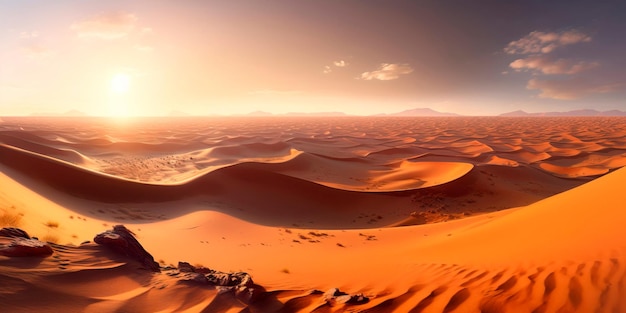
[(313, 156), (413, 214)]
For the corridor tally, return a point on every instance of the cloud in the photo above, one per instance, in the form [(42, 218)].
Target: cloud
[(388, 71), (541, 42), (537, 47), (329, 69), (572, 88), (340, 63), (29, 34), (546, 65), (107, 26)]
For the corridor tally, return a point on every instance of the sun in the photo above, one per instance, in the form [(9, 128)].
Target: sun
[(120, 83), (119, 102)]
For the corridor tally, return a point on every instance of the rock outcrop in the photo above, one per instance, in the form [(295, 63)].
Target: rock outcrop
[(334, 296), (13, 232), (21, 245), (15, 242), (239, 283), (123, 241)]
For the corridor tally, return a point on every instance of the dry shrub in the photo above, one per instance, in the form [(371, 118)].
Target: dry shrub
[(50, 238), (52, 224), (10, 219)]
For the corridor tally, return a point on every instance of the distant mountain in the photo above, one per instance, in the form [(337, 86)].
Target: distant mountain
[(420, 112), (582, 112), (74, 113), (70, 113), (517, 113), (316, 114)]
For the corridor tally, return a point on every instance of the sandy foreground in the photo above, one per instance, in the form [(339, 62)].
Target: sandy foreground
[(417, 214)]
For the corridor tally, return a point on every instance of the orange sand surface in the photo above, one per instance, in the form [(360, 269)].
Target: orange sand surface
[(479, 214)]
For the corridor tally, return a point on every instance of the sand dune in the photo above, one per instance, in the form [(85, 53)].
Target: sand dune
[(305, 205), (485, 263)]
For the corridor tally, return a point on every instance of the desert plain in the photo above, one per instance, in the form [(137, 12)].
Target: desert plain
[(414, 214)]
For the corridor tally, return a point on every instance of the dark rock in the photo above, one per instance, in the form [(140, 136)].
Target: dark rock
[(239, 283), (219, 279), (204, 270), (229, 279), (334, 296), (123, 241), (23, 247), (186, 267), (13, 232), (193, 278), (358, 298)]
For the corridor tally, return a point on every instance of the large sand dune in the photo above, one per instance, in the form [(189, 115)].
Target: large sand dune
[(310, 204)]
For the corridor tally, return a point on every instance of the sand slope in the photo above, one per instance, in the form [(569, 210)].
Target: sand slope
[(554, 255)]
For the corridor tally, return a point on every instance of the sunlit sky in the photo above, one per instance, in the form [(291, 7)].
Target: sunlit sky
[(356, 56)]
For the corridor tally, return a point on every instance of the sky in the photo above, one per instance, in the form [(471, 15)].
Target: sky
[(362, 57)]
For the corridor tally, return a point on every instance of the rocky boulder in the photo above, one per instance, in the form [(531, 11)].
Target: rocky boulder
[(336, 296), (239, 283), (123, 241), (25, 247), (13, 232)]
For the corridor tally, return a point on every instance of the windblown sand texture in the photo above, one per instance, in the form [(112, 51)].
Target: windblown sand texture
[(307, 204)]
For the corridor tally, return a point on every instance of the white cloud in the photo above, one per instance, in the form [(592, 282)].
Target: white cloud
[(340, 63), (540, 42), (546, 65), (571, 85), (571, 89), (388, 71), (329, 69), (108, 26), (29, 34)]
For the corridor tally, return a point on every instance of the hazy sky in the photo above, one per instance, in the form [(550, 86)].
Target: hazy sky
[(356, 56)]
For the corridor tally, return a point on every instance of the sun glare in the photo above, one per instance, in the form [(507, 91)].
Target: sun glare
[(120, 83), (118, 101)]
